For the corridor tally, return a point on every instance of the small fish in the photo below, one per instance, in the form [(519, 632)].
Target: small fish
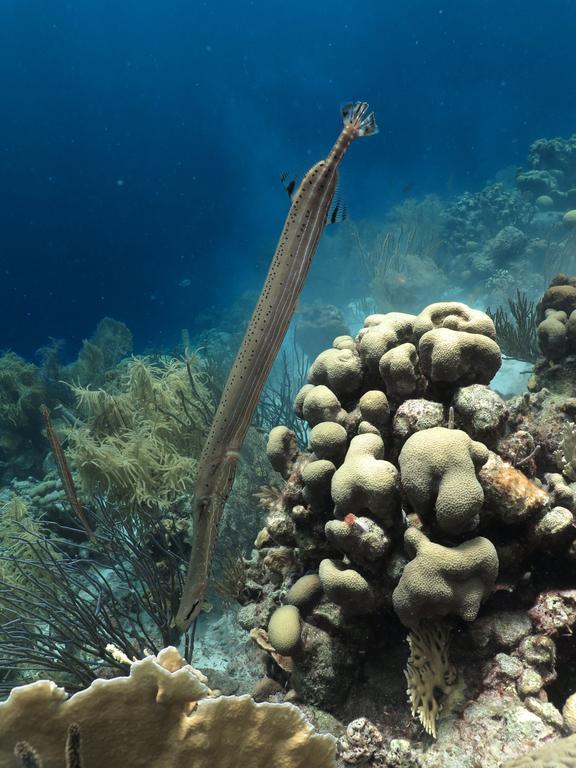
[(356, 522), (339, 213), (186, 283), (290, 186)]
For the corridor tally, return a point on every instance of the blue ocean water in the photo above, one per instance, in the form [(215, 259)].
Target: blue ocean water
[(142, 142)]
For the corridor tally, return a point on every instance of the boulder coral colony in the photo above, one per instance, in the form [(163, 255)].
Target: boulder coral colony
[(424, 506)]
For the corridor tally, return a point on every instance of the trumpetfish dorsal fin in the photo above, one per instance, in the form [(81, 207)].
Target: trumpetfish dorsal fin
[(338, 213), (289, 186)]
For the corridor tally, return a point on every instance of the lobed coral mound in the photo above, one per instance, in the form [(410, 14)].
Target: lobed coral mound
[(415, 507)]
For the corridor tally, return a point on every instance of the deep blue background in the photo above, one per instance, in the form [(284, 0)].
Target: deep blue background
[(141, 140)]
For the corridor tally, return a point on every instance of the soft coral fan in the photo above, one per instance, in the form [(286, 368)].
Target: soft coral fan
[(140, 436)]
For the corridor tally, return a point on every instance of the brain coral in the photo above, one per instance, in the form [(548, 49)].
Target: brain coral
[(401, 373), (284, 629), (317, 404), (456, 356), (440, 580), (338, 369), (552, 334), (365, 481), (346, 587), (328, 440), (438, 474), (370, 449), (382, 332), (453, 315), (558, 754)]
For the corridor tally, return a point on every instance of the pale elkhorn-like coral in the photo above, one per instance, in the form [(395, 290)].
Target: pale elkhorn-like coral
[(161, 715)]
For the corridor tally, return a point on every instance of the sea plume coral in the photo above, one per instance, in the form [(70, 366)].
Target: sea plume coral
[(139, 437)]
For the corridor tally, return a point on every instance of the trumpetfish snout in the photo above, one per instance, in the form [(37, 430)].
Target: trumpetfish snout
[(356, 115), (264, 335)]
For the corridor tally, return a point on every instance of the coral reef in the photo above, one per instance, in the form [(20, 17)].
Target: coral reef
[(401, 261), (441, 581), (516, 328), (561, 753), (422, 497), (552, 172), (316, 326), (108, 345), (25, 387), (557, 337), (414, 504), (483, 230), (430, 675), (122, 590)]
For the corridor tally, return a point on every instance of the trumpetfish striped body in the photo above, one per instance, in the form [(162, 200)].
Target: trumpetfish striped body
[(262, 340)]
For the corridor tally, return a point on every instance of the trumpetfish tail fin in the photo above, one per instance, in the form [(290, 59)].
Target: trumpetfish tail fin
[(355, 113)]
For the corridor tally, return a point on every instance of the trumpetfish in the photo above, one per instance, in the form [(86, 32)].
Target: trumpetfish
[(264, 335)]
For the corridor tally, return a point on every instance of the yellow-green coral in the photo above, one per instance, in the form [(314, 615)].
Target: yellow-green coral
[(22, 391), (284, 629), (110, 342), (141, 434), (19, 569), (557, 754), (440, 581), (18, 531)]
